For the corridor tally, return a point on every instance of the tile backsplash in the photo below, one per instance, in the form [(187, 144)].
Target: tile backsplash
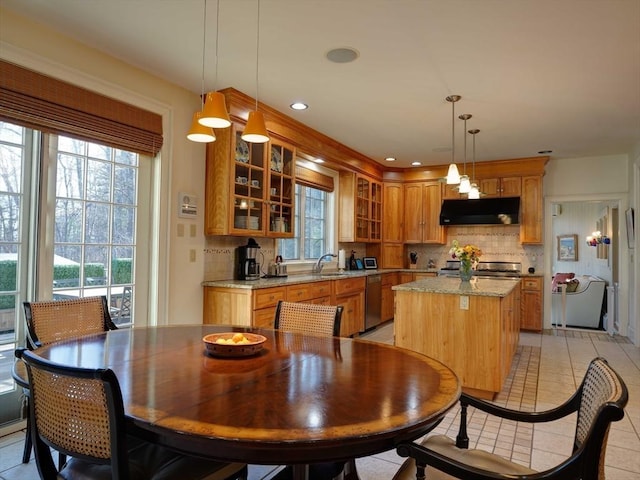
[(220, 255), (498, 243)]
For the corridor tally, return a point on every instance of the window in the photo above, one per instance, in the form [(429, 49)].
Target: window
[(95, 221), (312, 225)]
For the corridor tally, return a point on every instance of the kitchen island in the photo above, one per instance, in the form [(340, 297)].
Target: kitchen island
[(472, 327)]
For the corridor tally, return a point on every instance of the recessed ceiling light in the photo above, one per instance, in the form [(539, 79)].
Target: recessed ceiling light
[(545, 152), (390, 159), (416, 164), (342, 55), (319, 160), (299, 106)]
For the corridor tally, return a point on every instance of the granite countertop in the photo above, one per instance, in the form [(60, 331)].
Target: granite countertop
[(481, 286), (334, 275)]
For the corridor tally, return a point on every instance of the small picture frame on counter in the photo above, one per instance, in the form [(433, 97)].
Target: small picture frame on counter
[(370, 263), (359, 264)]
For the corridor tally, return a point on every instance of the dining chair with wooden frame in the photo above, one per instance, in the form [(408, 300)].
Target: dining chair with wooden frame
[(80, 413), (49, 321), (599, 401), (308, 318), (321, 320)]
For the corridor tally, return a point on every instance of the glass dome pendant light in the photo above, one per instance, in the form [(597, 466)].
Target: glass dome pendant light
[(453, 176), (214, 113), (465, 185), (198, 132), (255, 130), (474, 193)]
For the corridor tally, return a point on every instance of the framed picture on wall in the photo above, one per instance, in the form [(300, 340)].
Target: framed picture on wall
[(631, 237), (568, 248)]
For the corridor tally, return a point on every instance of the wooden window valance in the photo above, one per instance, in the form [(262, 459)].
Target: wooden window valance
[(310, 178), (38, 101)]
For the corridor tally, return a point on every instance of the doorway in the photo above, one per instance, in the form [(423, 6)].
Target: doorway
[(584, 239)]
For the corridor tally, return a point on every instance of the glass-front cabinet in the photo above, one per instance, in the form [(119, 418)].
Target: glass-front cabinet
[(249, 187), (281, 189), (360, 203)]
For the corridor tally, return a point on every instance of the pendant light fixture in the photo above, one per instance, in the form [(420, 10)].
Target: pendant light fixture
[(198, 132), (465, 185), (214, 113), (453, 176), (474, 193), (256, 131)]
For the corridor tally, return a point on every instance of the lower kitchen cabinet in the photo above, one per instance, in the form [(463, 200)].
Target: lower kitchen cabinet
[(349, 293), (257, 307), (388, 281), (531, 304)]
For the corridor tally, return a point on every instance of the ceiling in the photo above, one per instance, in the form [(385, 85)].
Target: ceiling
[(560, 75)]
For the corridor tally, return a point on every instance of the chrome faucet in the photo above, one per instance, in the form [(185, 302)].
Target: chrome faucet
[(318, 266)]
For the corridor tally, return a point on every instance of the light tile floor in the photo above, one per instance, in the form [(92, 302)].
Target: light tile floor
[(546, 370)]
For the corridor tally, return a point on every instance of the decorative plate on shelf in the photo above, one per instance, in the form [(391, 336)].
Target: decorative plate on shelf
[(242, 151), (276, 161), (233, 344)]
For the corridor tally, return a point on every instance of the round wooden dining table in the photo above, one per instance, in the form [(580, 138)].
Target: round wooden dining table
[(302, 399)]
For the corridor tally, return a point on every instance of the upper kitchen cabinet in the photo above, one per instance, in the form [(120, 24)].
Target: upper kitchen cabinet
[(422, 202), (531, 210), (501, 187), (360, 209), (248, 186), (281, 175)]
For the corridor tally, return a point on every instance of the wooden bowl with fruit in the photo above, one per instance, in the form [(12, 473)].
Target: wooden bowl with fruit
[(233, 344)]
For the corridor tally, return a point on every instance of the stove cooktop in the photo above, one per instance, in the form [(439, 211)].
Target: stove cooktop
[(485, 269)]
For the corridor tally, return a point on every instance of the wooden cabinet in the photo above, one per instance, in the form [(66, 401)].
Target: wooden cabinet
[(281, 193), (500, 187), (265, 302), (360, 209), (531, 304), (422, 203), (531, 210), (388, 281), (392, 213), (450, 192), (349, 293), (486, 332), (248, 186), (315, 292), (392, 249), (406, 277), (257, 307)]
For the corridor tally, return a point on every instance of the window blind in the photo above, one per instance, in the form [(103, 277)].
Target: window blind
[(41, 102), (311, 178)]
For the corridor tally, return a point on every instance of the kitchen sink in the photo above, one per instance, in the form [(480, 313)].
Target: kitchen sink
[(333, 274)]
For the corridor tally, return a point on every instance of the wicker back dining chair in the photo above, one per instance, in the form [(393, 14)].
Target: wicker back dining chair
[(323, 320), (53, 320), (80, 412), (599, 401), (308, 318)]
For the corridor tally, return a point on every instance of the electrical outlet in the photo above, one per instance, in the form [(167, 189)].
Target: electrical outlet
[(192, 229), (192, 255), (464, 302)]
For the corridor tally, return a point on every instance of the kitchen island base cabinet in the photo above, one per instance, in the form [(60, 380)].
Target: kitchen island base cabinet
[(477, 343)]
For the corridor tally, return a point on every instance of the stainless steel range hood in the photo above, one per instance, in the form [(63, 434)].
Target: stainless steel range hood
[(484, 211)]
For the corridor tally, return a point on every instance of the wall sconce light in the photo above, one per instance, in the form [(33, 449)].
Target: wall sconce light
[(596, 238)]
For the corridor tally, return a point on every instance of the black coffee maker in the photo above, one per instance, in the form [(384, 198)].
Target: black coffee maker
[(246, 262)]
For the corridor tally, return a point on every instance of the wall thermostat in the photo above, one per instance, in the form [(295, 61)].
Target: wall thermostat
[(187, 205)]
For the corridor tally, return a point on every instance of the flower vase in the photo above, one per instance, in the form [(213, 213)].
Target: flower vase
[(465, 271)]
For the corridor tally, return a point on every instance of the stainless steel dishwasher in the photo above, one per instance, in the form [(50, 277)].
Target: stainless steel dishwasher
[(373, 301)]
